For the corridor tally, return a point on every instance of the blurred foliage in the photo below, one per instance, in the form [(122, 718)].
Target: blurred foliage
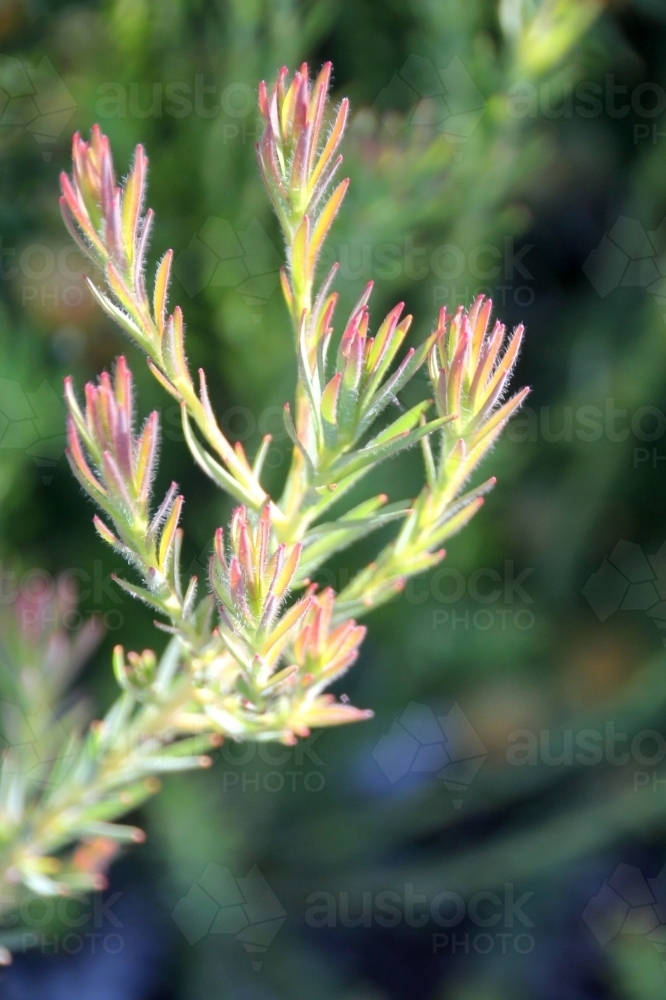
[(547, 184)]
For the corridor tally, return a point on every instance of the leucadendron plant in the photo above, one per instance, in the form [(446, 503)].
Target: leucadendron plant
[(255, 646)]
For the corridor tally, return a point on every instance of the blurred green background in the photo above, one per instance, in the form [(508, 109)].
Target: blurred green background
[(513, 149)]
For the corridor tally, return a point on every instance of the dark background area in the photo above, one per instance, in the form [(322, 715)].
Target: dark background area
[(564, 199)]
